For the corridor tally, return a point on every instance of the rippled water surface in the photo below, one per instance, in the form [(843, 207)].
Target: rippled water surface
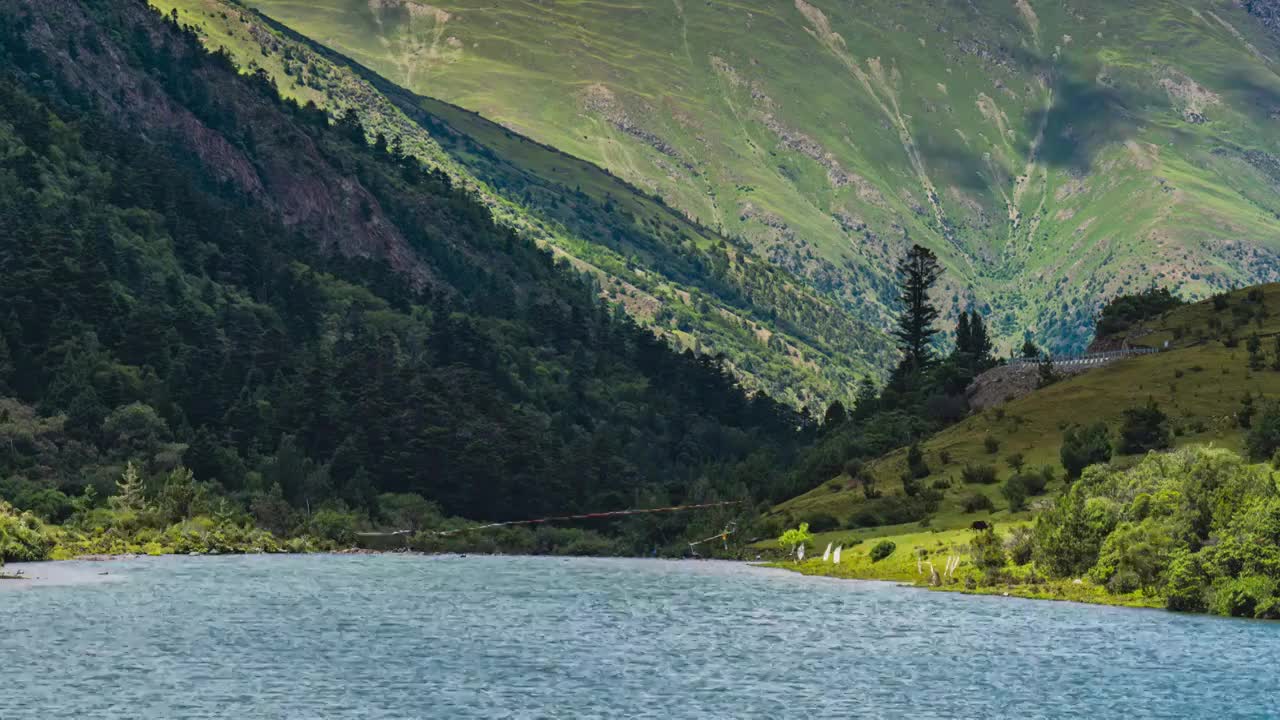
[(487, 637)]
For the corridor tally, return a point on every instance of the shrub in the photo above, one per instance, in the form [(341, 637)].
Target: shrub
[(1016, 461), (978, 475), (988, 553), (1242, 596), (1134, 557), (991, 444), (1015, 493), (977, 502), (1071, 532), (915, 462), (822, 522), (796, 537), (1020, 544), (334, 525), (1037, 481), (22, 537), (882, 550), (409, 511), (181, 497), (1264, 436), (941, 484), (1244, 417), (1145, 428), (1084, 446), (944, 458)]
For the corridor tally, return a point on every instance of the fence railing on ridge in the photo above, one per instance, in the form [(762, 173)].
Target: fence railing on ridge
[(1097, 358)]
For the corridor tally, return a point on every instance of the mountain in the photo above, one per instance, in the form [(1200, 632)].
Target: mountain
[(1219, 363), (1053, 154), (692, 286), (198, 273)]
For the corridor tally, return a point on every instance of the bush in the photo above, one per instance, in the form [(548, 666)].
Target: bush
[(1020, 545), (1134, 556), (795, 537), (572, 542), (409, 511), (1082, 447), (1145, 428), (1242, 596), (1016, 461), (882, 550), (822, 522), (977, 502), (988, 553), (22, 537), (916, 465), (1071, 532), (1037, 481), (335, 526), (1015, 493), (1264, 436), (991, 444), (978, 475), (1185, 583)]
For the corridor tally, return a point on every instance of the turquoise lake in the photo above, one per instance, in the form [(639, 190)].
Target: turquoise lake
[(499, 637)]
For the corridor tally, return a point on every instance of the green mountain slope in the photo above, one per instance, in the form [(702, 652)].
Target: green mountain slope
[(1053, 154), (198, 273), (1201, 382), (692, 286)]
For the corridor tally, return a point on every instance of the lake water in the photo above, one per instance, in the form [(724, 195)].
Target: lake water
[(491, 637)]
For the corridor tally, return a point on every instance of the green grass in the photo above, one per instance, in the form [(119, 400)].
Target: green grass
[(742, 114), (909, 564), (1199, 383)]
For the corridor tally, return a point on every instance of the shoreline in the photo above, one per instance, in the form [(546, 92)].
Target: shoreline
[(80, 570), (1054, 591)]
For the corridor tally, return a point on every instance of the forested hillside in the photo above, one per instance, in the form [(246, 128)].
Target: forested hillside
[(689, 284), (195, 273)]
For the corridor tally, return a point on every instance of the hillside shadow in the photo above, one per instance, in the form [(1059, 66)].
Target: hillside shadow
[(1085, 117), (1259, 100), (954, 164)]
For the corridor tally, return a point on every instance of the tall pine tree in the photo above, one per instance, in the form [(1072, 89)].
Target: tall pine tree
[(980, 342), (918, 271), (964, 335)]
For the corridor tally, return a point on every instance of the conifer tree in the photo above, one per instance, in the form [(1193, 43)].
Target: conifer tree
[(980, 342), (918, 272), (964, 335), (129, 490)]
